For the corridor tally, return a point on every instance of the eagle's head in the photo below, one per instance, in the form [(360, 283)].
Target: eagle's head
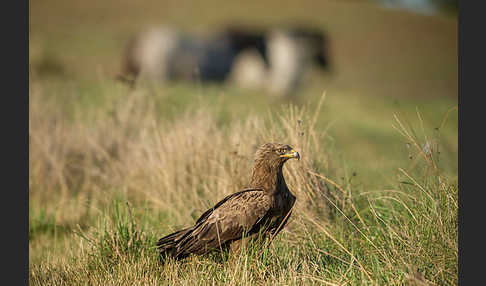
[(276, 153), (267, 170)]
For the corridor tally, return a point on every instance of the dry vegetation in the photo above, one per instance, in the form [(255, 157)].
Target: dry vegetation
[(106, 182), (112, 170)]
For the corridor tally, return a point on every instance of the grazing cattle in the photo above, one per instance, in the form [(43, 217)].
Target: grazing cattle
[(274, 59)]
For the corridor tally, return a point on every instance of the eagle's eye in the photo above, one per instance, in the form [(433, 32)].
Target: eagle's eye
[(281, 150)]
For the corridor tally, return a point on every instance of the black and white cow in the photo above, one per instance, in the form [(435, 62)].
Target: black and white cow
[(275, 59)]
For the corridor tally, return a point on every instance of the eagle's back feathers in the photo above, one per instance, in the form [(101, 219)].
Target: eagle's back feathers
[(236, 215)]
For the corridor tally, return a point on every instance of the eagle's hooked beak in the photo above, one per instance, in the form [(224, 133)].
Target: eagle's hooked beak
[(291, 154)]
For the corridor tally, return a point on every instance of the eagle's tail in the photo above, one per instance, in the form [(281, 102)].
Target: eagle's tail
[(167, 245)]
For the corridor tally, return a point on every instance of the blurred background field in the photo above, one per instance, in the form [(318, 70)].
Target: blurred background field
[(384, 62)]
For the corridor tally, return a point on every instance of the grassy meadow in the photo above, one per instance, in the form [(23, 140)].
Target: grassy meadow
[(112, 169)]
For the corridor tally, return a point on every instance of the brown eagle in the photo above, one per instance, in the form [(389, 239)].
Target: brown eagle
[(262, 208)]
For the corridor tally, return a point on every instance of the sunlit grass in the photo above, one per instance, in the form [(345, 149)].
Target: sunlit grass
[(113, 169), (110, 175)]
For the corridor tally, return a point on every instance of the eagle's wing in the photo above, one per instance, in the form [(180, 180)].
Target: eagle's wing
[(237, 214)]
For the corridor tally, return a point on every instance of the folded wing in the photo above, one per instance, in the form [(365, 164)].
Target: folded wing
[(239, 214)]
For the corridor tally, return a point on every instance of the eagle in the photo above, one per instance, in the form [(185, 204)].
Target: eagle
[(261, 210)]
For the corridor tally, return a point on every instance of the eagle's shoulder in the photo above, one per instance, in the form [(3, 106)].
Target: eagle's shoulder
[(253, 198)]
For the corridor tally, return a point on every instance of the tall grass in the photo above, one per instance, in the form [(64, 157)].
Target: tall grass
[(118, 176)]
